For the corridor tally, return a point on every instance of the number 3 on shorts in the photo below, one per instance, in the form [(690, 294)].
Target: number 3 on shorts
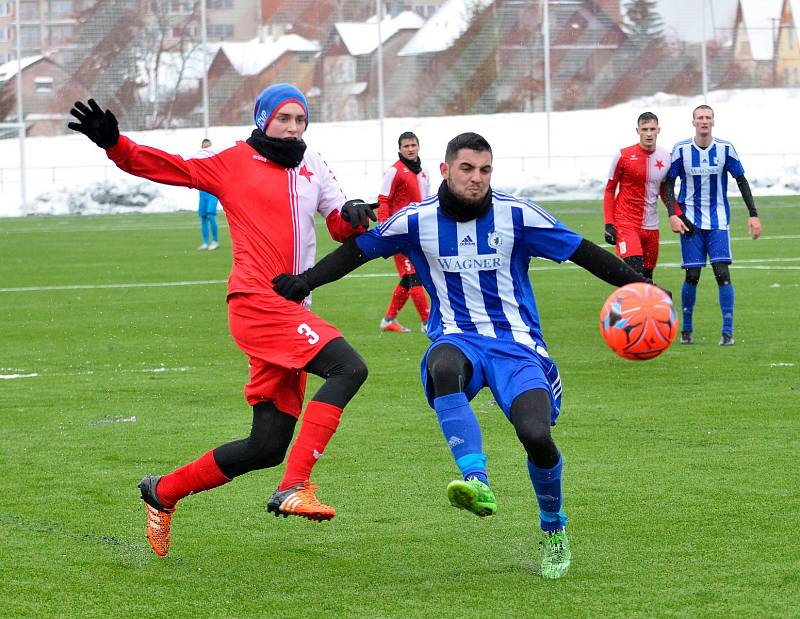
[(304, 329)]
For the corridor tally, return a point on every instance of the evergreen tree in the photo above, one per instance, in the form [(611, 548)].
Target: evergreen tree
[(642, 22)]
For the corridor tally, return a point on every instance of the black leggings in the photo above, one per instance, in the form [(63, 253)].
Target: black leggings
[(271, 433), (450, 371)]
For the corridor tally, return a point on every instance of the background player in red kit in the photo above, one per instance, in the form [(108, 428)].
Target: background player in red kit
[(403, 183), (271, 187), (631, 216)]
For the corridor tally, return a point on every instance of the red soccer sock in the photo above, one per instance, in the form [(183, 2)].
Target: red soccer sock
[(420, 302), (202, 474), (399, 298), (318, 425)]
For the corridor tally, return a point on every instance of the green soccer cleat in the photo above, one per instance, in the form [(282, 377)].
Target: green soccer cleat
[(472, 495), (557, 555)]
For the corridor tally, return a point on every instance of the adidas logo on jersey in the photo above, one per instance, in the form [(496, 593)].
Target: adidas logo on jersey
[(467, 240), (260, 158)]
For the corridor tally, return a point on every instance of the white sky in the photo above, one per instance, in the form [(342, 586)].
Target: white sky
[(759, 123)]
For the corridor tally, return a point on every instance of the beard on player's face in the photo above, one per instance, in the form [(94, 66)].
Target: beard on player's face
[(472, 194)]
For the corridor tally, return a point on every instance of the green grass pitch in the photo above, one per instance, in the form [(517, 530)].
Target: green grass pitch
[(681, 476)]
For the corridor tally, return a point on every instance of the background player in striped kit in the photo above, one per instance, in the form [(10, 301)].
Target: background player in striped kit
[(271, 187), (703, 164), (472, 248), (403, 183), (631, 216)]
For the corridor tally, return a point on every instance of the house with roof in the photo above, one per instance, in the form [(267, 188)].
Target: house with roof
[(240, 71), (787, 45), (42, 79), (348, 78), (754, 37)]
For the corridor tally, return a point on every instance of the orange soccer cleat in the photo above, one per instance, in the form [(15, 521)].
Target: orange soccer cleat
[(159, 517), (300, 500), (393, 325)]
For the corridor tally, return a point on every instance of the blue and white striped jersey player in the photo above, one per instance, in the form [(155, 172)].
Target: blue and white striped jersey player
[(471, 247), (703, 164)]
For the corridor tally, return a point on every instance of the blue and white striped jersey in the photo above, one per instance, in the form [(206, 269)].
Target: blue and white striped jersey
[(704, 181), (476, 272)]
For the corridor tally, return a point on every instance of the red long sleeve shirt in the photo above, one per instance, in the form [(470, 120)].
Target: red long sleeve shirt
[(270, 209)]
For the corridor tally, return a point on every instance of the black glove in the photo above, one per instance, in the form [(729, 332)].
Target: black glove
[(358, 213), (689, 225), (292, 287), (100, 127), (611, 234)]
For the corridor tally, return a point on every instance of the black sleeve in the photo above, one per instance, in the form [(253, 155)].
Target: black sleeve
[(336, 264), (604, 265), (669, 194), (747, 195)]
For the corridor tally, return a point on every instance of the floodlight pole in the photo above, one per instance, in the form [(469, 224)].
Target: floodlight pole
[(379, 6), (20, 114), (204, 41), (703, 56), (548, 103)]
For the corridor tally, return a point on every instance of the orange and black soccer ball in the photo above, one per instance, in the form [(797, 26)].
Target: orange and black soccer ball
[(638, 321)]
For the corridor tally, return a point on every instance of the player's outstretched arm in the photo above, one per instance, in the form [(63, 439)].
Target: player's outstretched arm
[(100, 127), (335, 265), (605, 265)]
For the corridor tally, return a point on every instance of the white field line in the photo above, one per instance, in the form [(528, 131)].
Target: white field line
[(757, 263), (157, 370)]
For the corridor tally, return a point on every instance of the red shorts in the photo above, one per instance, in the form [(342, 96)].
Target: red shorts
[(280, 337), (404, 266), (638, 242)]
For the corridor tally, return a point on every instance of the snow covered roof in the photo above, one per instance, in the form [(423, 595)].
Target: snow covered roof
[(252, 57), (444, 28), (9, 69), (362, 37), (758, 16)]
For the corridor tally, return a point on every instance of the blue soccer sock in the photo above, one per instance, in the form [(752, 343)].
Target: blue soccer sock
[(462, 433), (204, 228), (547, 485), (726, 305), (212, 222), (688, 299)]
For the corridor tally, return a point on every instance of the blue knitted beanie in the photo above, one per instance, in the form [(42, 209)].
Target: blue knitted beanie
[(272, 99)]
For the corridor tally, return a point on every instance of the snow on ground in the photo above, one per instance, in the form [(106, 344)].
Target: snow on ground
[(68, 174)]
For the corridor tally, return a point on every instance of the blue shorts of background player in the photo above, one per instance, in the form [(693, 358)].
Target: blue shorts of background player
[(695, 247), (716, 244), (522, 379)]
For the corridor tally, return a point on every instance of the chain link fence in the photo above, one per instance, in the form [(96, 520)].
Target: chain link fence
[(146, 59)]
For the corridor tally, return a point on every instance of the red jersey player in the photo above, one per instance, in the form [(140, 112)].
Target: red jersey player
[(631, 216), (403, 183), (271, 187)]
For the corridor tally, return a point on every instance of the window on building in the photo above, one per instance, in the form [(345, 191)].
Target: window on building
[(217, 5), (5, 35), (5, 8), (188, 31), (29, 10), (60, 34), (43, 84), (61, 8), (178, 7), (30, 37), (220, 32)]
